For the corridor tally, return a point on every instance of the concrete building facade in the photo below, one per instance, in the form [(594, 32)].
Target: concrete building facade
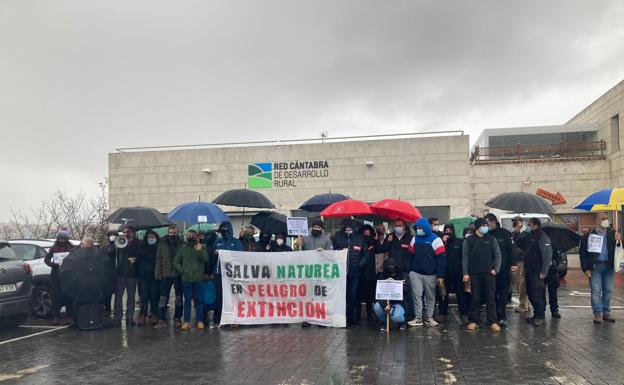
[(438, 173)]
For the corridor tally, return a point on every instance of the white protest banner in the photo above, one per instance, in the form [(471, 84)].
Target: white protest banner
[(290, 287), (389, 290), (297, 226), (58, 258), (594, 243)]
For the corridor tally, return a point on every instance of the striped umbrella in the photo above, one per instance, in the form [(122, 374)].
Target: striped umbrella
[(609, 199)]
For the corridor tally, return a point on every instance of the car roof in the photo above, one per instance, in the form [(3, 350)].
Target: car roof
[(35, 242)]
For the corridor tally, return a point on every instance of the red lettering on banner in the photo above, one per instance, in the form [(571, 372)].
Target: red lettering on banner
[(251, 309), (261, 304), (241, 309), (283, 291), (281, 309), (293, 290), (291, 309), (309, 307), (321, 311), (270, 309), (261, 291), (251, 289)]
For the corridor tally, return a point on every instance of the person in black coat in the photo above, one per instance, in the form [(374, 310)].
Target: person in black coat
[(280, 244), (391, 270), (148, 285), (357, 248), (127, 261), (368, 277), (454, 277)]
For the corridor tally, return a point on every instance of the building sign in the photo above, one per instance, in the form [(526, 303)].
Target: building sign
[(285, 174)]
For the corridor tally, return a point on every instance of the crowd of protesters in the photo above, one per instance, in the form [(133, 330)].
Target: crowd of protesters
[(432, 261)]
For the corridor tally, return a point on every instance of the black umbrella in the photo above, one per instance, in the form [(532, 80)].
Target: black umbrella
[(320, 202), (561, 236), (87, 275), (270, 222), (244, 198), (138, 217), (520, 202)]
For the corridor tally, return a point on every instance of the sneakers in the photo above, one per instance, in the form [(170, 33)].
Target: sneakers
[(177, 323), (502, 323), (153, 320), (556, 314), (415, 322), (141, 320), (495, 328), (608, 317), (538, 322), (597, 318), (403, 326), (185, 326), (200, 325), (431, 322), (161, 324), (472, 326)]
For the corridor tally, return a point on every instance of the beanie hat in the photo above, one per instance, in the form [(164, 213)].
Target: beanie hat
[(318, 222), (480, 222), (63, 233)]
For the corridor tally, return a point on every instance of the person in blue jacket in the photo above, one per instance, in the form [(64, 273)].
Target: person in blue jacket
[(427, 268), (225, 241)]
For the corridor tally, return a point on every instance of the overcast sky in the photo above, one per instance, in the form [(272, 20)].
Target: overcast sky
[(81, 78)]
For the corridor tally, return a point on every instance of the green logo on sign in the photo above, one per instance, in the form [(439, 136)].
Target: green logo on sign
[(260, 175)]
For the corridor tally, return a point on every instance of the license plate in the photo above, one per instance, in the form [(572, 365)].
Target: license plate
[(8, 288)]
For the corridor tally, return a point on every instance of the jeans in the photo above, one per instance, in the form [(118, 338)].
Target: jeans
[(503, 288), (165, 290), (601, 283), (352, 297), (423, 284), (193, 290), (482, 287), (128, 285), (148, 293), (455, 285), (397, 314), (536, 290)]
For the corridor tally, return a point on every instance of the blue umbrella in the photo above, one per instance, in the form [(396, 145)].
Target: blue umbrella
[(198, 212)]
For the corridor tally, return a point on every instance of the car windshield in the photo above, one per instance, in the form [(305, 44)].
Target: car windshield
[(6, 253)]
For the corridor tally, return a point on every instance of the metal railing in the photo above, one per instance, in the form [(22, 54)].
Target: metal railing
[(541, 152)]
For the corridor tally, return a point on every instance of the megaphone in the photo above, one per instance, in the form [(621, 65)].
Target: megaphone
[(121, 242)]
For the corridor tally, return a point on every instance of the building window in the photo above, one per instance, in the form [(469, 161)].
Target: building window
[(615, 133)]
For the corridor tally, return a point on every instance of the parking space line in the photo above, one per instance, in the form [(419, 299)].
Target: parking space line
[(33, 335), (38, 327)]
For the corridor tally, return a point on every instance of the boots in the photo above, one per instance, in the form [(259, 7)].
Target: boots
[(141, 320)]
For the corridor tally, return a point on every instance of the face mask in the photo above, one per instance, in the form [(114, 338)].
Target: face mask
[(317, 233), (468, 235), (279, 242), (484, 229), (190, 240), (174, 238), (223, 233), (380, 232), (605, 223), (398, 230), (435, 228), (449, 234), (151, 241), (112, 238), (420, 232), (348, 232), (219, 236)]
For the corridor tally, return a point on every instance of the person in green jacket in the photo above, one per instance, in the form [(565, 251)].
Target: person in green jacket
[(189, 262)]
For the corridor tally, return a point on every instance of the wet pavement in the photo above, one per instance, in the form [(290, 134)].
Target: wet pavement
[(571, 350)]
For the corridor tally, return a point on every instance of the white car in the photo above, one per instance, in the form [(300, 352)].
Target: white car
[(34, 251)]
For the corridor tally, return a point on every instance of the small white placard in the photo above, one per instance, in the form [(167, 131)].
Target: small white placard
[(389, 290), (297, 226), (202, 219), (58, 258), (594, 243)]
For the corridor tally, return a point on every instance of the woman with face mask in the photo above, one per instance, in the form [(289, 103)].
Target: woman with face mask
[(148, 286), (280, 244)]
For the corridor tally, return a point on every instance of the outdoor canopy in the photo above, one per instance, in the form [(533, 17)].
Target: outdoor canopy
[(520, 202)]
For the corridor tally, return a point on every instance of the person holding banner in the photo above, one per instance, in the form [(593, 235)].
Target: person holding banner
[(392, 270), (62, 246), (427, 269), (225, 241), (189, 263), (316, 240), (348, 239), (247, 240)]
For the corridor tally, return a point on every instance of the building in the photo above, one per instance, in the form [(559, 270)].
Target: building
[(438, 172)]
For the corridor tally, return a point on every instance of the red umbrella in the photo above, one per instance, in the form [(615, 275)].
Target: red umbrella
[(396, 209), (347, 208)]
